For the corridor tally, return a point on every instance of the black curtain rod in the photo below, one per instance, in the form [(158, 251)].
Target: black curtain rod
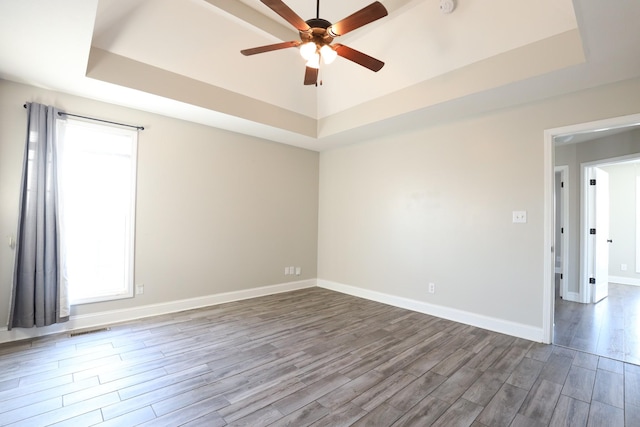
[(97, 120)]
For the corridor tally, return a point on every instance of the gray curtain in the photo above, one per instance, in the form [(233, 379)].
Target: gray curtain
[(35, 298)]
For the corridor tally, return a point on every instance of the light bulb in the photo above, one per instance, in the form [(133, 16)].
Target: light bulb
[(314, 61), (307, 50), (328, 54)]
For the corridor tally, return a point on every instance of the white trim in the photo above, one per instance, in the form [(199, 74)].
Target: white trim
[(548, 258), (548, 239), (586, 252), (564, 270), (116, 316), (624, 280), (637, 206), (485, 322), (595, 126), (572, 296)]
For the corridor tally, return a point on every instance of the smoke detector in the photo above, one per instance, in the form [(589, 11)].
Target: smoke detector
[(447, 6)]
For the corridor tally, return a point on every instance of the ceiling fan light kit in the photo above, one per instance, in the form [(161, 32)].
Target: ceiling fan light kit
[(316, 36), (307, 50), (328, 54), (314, 61), (312, 53)]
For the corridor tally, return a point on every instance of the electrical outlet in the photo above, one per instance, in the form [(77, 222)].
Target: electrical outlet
[(432, 288), (139, 289), (519, 217), (298, 271), (286, 271), (623, 267)]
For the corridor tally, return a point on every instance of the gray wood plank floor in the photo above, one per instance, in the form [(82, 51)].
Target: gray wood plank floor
[(609, 328), (309, 358)]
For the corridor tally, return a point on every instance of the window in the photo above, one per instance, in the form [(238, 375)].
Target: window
[(97, 181), (637, 219)]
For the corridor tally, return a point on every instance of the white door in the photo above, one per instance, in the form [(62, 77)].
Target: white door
[(600, 222)]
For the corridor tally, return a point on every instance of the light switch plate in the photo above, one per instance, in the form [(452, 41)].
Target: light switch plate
[(520, 217)]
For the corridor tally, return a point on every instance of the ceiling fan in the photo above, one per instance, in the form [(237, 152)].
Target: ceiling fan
[(316, 35)]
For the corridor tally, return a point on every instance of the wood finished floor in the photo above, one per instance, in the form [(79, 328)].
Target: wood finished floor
[(309, 357), (610, 328)]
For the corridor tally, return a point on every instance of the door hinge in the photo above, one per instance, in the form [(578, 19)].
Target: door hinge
[(562, 185), (592, 280), (561, 276), (561, 230), (592, 231), (592, 182)]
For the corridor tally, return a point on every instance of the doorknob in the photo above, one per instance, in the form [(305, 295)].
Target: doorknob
[(609, 241)]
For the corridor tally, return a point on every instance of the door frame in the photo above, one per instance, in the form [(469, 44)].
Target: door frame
[(548, 269), (564, 238), (587, 250)]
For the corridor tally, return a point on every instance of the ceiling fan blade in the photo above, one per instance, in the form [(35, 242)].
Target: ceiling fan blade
[(289, 15), (362, 17), (269, 48), (311, 76), (358, 57)]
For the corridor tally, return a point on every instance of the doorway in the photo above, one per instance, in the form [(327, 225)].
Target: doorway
[(602, 319), (567, 268)]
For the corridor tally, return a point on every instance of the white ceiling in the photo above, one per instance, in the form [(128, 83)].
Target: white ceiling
[(181, 58)]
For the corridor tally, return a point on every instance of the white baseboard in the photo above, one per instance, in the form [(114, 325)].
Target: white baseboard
[(115, 316), (485, 322), (624, 280), (572, 296)]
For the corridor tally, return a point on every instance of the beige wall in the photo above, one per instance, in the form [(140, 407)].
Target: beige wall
[(216, 211), (573, 155), (219, 212), (436, 205)]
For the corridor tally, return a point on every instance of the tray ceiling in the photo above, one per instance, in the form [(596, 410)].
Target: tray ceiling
[(181, 58)]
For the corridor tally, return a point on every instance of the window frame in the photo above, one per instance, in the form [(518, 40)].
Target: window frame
[(637, 206), (129, 266)]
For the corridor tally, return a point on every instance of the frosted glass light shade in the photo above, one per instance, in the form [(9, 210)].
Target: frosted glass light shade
[(307, 50), (328, 54), (314, 61)]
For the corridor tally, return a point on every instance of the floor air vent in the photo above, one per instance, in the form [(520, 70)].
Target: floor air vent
[(91, 331)]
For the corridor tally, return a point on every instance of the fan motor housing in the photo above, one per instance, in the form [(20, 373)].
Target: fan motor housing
[(318, 32), (318, 23)]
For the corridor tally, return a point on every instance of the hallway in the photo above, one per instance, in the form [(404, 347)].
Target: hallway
[(610, 328)]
